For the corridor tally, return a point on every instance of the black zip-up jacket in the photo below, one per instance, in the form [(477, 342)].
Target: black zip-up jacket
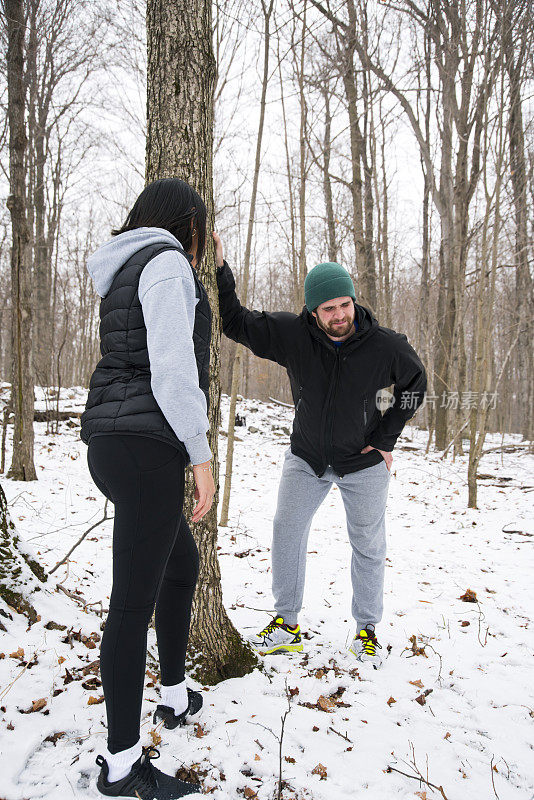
[(334, 388)]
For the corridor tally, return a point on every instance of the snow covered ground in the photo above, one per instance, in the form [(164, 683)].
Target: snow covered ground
[(472, 734)]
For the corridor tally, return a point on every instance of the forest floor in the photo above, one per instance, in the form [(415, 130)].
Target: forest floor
[(453, 705)]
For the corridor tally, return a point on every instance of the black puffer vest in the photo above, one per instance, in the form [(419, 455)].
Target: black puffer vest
[(120, 397)]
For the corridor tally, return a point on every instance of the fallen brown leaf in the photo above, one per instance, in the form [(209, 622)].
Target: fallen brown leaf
[(156, 738), (320, 769), (421, 699), (92, 683), (93, 701), (391, 701), (37, 705), (469, 596), (418, 683), (18, 653), (55, 736), (68, 677), (325, 703)]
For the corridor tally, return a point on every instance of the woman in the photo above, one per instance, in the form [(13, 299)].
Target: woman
[(145, 419)]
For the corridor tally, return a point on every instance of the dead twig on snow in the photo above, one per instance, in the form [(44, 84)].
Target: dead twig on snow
[(343, 736), (418, 776), (82, 537)]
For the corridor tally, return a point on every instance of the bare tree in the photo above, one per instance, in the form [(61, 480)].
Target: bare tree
[(22, 466), (66, 45), (518, 39), (484, 379)]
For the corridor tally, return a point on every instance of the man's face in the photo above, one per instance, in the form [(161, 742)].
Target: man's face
[(336, 317)]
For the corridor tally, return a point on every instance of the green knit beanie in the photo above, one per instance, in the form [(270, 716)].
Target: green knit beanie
[(326, 281)]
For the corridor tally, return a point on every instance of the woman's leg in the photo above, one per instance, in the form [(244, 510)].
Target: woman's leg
[(144, 478), (173, 606)]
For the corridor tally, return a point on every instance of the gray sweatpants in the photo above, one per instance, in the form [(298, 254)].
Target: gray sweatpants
[(300, 494)]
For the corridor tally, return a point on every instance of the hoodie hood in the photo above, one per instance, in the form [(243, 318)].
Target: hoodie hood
[(105, 262)]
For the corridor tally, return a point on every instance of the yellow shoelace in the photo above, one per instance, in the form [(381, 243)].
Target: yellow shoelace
[(270, 627), (369, 643)]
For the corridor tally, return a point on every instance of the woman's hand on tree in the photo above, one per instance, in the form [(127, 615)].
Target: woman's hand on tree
[(204, 490)]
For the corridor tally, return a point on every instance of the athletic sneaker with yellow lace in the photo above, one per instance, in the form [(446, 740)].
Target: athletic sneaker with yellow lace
[(364, 647), (277, 637)]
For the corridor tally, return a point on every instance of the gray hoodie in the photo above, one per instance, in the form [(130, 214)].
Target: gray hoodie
[(167, 296)]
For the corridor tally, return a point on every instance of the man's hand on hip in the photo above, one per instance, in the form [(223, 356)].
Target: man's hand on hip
[(387, 456)]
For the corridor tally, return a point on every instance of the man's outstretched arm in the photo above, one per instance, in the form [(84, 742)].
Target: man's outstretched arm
[(260, 331)]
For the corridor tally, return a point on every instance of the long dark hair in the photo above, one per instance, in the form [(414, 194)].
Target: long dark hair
[(171, 204)]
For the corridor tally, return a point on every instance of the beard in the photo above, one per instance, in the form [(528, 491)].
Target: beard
[(336, 330)]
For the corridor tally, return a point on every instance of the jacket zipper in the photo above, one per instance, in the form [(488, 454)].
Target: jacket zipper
[(365, 413), (330, 453), (331, 408)]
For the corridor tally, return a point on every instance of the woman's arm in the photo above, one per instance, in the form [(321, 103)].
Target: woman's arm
[(167, 296)]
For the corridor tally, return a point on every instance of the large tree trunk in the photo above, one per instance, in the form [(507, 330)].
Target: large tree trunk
[(181, 81), (22, 466)]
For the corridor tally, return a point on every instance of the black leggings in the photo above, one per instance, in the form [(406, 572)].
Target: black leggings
[(155, 564)]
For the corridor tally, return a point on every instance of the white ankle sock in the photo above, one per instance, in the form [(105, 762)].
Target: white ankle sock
[(175, 697), (121, 763)]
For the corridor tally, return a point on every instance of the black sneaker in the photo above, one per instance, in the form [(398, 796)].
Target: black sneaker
[(172, 720), (144, 781)]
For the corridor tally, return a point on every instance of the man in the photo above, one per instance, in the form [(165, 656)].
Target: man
[(337, 358)]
